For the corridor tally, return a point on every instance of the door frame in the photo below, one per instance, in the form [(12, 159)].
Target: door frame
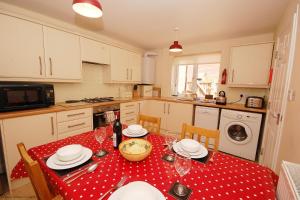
[(289, 69)]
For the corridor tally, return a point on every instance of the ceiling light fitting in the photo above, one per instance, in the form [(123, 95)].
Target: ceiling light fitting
[(88, 8), (175, 47)]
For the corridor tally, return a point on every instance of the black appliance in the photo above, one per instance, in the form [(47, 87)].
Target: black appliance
[(99, 117), (21, 96), (221, 99)]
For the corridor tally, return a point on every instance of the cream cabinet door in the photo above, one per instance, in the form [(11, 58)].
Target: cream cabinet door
[(156, 109), (21, 48), (135, 65), (62, 54), (177, 114), (118, 70), (31, 130), (95, 52), (250, 64)]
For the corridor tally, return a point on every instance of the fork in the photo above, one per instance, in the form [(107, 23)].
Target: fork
[(120, 184)]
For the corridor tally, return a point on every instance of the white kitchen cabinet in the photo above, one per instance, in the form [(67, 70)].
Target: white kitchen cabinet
[(125, 66), (135, 65), (74, 122), (250, 65), (31, 130), (129, 112), (62, 54), (172, 115), (21, 49), (95, 52), (177, 114)]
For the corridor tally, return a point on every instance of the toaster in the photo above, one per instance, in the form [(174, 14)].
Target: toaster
[(254, 102)]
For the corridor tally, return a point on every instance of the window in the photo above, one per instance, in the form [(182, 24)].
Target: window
[(196, 74)]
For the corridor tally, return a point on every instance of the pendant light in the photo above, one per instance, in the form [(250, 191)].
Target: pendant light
[(175, 47), (88, 8)]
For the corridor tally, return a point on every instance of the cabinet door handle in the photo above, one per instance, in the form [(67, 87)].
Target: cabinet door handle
[(128, 113), (130, 105), (72, 126), (168, 108), (75, 114), (41, 67), (232, 77), (139, 107), (164, 108), (131, 74), (127, 74), (52, 126), (50, 61)]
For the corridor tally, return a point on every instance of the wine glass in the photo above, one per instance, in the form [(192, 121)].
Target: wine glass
[(100, 136), (170, 140), (183, 165)]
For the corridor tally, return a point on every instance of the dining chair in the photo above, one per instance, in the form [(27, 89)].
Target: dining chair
[(152, 124), (210, 138), (36, 176)]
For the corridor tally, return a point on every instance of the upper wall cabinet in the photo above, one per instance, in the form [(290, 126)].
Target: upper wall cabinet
[(62, 54), (250, 65), (21, 49), (95, 52), (125, 66), (32, 52)]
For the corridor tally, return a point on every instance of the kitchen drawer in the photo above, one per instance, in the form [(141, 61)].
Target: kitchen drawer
[(128, 106), (74, 125), (75, 132), (128, 113), (73, 114), (128, 120)]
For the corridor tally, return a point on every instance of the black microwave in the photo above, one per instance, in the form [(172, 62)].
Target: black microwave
[(21, 96)]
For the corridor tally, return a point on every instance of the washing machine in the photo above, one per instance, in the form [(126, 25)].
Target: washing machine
[(239, 133)]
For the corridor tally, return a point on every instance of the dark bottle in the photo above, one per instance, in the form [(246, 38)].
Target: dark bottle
[(117, 133)]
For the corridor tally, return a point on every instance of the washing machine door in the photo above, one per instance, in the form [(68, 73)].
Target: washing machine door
[(238, 133)]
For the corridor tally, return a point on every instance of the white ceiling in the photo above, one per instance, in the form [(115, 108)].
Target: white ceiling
[(149, 23)]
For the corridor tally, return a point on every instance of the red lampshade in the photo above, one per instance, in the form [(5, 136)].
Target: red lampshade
[(88, 8), (175, 47)]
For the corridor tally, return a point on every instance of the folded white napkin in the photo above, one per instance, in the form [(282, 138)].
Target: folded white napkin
[(110, 117)]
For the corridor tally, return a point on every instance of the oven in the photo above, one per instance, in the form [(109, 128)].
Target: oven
[(100, 114)]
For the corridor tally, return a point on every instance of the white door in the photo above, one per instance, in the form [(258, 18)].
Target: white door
[(31, 130), (62, 54), (283, 63), (177, 114), (135, 65), (21, 48)]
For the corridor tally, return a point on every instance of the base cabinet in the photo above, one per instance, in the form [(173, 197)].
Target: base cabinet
[(31, 130), (172, 115)]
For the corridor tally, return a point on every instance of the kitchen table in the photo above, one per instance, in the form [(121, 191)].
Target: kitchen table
[(227, 177)]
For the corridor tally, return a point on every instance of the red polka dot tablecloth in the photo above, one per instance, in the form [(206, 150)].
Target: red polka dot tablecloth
[(227, 177)]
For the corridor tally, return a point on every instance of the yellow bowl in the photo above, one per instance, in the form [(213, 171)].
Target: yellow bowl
[(135, 149)]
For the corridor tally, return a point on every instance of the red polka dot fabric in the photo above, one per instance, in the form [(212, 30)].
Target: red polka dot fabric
[(227, 177)]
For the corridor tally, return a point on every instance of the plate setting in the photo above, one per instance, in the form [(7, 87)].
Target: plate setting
[(200, 153), (54, 163), (141, 134)]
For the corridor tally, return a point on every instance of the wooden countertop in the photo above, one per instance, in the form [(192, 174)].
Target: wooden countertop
[(65, 107)]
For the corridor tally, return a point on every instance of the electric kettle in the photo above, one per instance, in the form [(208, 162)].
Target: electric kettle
[(221, 99)]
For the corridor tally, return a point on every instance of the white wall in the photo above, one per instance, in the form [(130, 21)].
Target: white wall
[(165, 60), (92, 85), (290, 143)]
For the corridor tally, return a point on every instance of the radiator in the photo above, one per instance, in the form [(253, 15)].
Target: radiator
[(289, 182)]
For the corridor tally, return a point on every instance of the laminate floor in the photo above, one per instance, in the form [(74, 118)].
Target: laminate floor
[(25, 192)]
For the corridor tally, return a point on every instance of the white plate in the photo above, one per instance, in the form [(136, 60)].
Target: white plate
[(190, 145), (137, 190), (199, 154), (51, 161), (125, 132), (59, 162)]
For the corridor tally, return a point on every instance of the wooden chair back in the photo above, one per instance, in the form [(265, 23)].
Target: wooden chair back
[(152, 124), (204, 136), (36, 176)]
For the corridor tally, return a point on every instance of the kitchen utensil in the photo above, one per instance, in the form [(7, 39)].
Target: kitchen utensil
[(221, 99), (90, 169), (77, 172), (254, 102), (120, 184)]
